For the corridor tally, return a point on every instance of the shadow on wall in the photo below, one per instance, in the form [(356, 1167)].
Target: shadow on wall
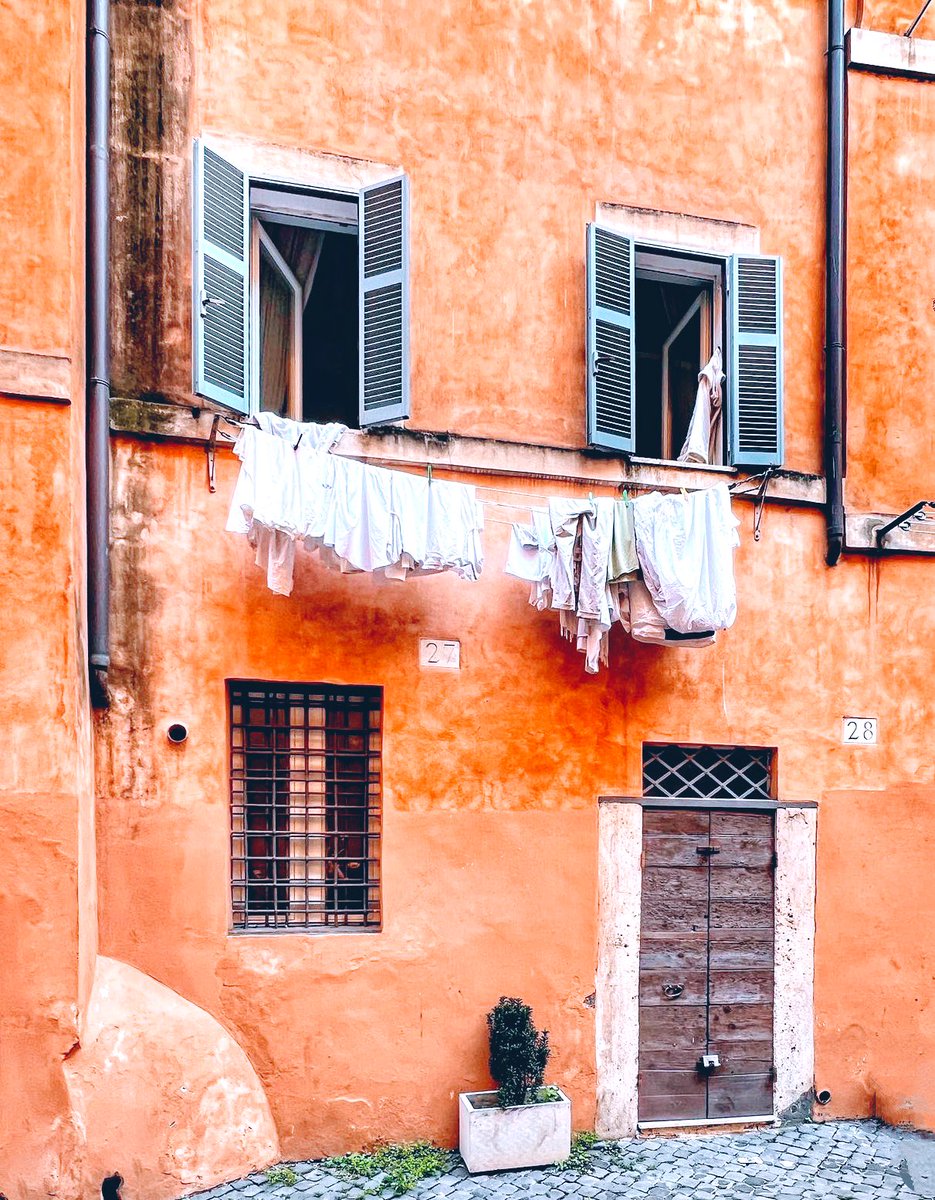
[(163, 1091)]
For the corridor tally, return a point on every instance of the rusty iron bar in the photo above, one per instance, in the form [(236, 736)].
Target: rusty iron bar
[(903, 519)]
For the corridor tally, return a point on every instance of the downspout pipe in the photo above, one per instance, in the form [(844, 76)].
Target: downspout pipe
[(97, 448), (835, 275)]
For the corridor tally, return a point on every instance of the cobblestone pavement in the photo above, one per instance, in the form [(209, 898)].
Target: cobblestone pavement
[(863, 1160)]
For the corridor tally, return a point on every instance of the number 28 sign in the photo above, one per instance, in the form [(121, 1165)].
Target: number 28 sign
[(859, 731), (439, 654)]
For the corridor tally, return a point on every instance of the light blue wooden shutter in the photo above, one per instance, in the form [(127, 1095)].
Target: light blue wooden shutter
[(611, 348), (221, 280), (756, 368), (383, 264)]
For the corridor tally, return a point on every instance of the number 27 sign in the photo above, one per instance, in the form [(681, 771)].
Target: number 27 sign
[(439, 654)]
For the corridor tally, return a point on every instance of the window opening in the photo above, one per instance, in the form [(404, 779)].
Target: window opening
[(305, 287), (679, 323), (699, 772), (305, 806)]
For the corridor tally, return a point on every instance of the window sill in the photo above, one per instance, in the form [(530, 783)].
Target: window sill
[(713, 468), (301, 931)]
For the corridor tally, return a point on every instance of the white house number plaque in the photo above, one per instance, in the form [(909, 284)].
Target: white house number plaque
[(859, 731), (439, 654)]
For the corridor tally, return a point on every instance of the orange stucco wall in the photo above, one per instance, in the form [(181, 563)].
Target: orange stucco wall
[(875, 1029), (48, 926), (491, 778)]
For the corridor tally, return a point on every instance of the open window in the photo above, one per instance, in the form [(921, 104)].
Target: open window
[(659, 318), (301, 297)]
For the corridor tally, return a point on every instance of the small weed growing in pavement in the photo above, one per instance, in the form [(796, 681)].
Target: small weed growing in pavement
[(580, 1158), (281, 1175), (581, 1146), (402, 1165)]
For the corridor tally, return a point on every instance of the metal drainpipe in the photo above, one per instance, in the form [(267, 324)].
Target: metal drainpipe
[(835, 275), (98, 346)]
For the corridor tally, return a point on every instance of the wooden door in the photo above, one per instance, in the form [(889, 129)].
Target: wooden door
[(706, 965)]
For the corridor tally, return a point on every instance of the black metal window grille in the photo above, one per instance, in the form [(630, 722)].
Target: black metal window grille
[(305, 805), (702, 772)]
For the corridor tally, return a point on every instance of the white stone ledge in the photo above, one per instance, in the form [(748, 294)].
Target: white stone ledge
[(890, 54), (861, 534), (31, 375), (478, 456)]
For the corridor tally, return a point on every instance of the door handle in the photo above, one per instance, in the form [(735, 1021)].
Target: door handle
[(672, 991), (707, 851)]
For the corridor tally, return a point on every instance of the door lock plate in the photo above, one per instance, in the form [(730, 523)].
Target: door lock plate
[(707, 1064)]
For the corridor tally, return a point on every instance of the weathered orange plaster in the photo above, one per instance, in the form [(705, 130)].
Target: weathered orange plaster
[(875, 960)]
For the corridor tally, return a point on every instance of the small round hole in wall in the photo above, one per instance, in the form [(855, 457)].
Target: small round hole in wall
[(824, 1096), (177, 733)]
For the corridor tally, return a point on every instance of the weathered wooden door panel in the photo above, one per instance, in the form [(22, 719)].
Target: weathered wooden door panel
[(740, 987), (706, 965), (693, 985), (731, 948), (740, 1096), (688, 951)]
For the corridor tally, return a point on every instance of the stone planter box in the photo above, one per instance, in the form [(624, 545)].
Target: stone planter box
[(503, 1139)]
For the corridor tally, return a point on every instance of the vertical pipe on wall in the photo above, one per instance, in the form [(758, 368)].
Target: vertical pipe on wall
[(835, 335), (98, 345)]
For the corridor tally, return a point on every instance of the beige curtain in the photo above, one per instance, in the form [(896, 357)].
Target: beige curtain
[(275, 338), (300, 248)]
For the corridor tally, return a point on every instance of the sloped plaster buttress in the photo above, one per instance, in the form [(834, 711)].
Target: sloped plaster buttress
[(162, 1093)]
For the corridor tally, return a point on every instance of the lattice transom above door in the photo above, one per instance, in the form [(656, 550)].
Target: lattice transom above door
[(702, 772)]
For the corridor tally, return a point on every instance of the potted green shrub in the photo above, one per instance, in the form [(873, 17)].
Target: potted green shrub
[(523, 1123)]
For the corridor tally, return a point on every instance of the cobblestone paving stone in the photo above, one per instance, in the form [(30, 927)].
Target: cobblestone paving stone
[(844, 1160)]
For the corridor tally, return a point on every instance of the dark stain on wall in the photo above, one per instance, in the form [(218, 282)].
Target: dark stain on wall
[(151, 179)]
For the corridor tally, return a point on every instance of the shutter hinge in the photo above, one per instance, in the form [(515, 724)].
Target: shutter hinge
[(774, 860), (773, 1074)]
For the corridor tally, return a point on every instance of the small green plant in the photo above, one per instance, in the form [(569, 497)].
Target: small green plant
[(581, 1146), (546, 1095), (282, 1174), (402, 1165), (518, 1051)]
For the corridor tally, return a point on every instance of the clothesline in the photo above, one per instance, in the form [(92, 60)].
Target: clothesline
[(636, 487)]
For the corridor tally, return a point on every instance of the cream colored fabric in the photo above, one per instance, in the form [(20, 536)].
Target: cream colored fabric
[(701, 441)]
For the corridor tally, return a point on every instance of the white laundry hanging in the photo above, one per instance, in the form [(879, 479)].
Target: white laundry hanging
[(292, 489), (581, 562), (685, 546)]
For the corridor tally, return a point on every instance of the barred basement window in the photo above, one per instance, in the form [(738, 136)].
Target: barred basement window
[(305, 805), (700, 772)]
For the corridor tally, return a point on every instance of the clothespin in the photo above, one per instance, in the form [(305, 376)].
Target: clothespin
[(428, 473), (684, 493)]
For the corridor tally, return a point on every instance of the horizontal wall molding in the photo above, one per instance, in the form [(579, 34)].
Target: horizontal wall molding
[(890, 54), (32, 375), (395, 447), (860, 535), (707, 802)]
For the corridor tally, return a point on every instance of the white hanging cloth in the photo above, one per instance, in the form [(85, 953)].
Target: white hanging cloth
[(702, 436), (685, 546), (292, 490), (580, 559)]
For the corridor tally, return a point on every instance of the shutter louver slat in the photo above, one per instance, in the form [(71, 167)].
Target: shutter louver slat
[(756, 399), (611, 382), (221, 280), (384, 307)]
